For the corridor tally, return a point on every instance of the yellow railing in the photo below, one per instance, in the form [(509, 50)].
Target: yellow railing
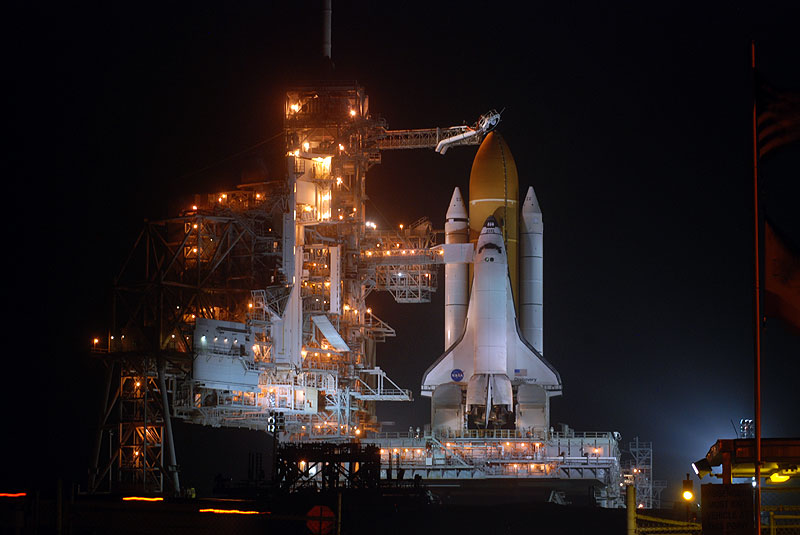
[(664, 525), (780, 522)]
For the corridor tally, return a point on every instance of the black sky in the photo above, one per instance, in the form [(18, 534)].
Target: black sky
[(632, 122)]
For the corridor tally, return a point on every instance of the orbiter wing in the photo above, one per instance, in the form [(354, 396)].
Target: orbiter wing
[(524, 363)]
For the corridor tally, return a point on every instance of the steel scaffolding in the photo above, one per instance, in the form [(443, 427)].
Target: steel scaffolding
[(639, 473)]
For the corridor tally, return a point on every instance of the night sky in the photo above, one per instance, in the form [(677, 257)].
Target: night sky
[(632, 122)]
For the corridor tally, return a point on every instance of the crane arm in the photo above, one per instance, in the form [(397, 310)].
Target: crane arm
[(440, 139)]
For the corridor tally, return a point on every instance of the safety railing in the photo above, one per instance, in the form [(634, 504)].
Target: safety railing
[(654, 525), (781, 519)]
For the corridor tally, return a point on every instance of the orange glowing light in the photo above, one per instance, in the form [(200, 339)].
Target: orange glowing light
[(141, 499), (232, 512), (13, 494)]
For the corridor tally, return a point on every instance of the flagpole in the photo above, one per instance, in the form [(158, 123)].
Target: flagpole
[(757, 304)]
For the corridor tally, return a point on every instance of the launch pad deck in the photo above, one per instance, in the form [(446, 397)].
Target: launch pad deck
[(592, 458)]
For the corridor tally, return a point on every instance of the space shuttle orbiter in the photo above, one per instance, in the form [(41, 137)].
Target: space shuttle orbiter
[(491, 375)]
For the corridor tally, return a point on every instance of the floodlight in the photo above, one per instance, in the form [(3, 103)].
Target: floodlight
[(777, 477), (701, 467)]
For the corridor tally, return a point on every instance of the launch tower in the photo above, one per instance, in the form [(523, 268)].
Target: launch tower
[(248, 308)]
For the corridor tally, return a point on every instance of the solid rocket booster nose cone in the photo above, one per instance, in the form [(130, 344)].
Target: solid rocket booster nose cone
[(531, 204), (456, 209)]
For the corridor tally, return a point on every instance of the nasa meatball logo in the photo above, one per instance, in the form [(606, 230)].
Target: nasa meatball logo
[(456, 375)]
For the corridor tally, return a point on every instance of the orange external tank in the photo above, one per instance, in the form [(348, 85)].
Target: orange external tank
[(494, 191)]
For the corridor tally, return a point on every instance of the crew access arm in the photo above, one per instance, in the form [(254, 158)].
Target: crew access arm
[(440, 138)]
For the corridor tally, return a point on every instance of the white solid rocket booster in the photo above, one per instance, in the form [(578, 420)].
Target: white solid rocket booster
[(531, 272), (456, 285)]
